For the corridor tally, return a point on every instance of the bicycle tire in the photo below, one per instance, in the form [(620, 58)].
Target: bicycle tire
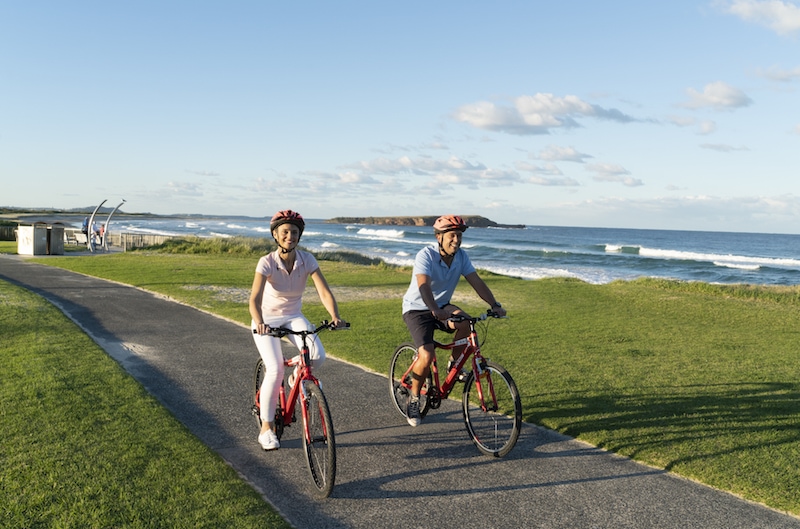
[(403, 357), (258, 379), (494, 432), (320, 441)]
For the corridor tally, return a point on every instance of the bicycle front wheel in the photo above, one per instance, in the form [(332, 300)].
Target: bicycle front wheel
[(492, 410), (400, 380), (319, 440)]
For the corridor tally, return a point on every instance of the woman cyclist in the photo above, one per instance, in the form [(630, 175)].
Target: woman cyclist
[(426, 303), (275, 301)]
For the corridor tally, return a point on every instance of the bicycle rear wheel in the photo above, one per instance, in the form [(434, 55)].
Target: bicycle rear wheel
[(400, 380), (255, 410), (319, 440), (258, 378), (495, 426)]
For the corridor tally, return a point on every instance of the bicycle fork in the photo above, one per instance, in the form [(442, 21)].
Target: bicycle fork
[(480, 373)]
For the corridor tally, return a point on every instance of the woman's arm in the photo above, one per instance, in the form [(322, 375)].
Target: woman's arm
[(326, 296), (256, 293)]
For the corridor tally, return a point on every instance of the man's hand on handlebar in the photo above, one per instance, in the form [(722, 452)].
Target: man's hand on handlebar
[(497, 312)]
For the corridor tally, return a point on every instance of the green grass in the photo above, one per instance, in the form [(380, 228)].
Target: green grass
[(8, 246), (82, 444), (698, 379)]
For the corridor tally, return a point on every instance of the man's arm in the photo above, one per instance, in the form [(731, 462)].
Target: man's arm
[(426, 292), (482, 289)]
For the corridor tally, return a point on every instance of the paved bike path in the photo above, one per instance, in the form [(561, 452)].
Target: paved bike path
[(389, 475)]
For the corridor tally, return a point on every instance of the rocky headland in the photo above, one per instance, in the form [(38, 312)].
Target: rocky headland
[(476, 221)]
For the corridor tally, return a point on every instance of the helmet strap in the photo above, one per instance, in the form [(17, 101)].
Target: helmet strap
[(284, 251)]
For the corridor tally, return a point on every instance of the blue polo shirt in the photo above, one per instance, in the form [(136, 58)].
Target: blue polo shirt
[(444, 279)]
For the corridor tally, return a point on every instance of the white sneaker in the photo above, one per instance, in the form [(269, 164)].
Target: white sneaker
[(412, 412), (269, 441)]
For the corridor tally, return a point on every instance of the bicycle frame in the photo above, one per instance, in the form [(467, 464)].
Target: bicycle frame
[(304, 373), (491, 403), (286, 404), (471, 350), (317, 432)]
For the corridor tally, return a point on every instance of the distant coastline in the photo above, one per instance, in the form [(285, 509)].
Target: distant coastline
[(23, 215), (476, 221)]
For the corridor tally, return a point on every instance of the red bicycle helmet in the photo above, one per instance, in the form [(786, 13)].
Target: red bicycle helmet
[(447, 223), (287, 216)]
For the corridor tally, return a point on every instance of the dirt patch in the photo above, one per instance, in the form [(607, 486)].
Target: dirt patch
[(343, 294)]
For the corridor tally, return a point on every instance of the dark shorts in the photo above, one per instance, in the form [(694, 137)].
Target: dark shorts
[(421, 325)]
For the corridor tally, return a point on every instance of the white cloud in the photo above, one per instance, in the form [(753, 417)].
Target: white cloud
[(781, 17), (555, 153), (746, 213), (546, 175), (682, 121), (777, 74), (702, 126), (717, 95), (721, 147), (706, 127), (185, 189), (547, 169), (536, 114), (608, 172)]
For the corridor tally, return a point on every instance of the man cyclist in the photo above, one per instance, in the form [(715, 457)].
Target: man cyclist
[(426, 304)]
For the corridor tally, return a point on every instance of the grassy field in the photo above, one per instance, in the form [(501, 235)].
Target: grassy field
[(83, 445), (698, 379)]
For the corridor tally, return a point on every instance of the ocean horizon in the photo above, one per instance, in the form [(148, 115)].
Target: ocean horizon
[(594, 255)]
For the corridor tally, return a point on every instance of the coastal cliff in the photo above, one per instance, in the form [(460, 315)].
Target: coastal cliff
[(425, 220)]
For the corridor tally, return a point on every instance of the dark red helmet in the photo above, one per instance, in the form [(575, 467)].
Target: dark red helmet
[(447, 223), (287, 216)]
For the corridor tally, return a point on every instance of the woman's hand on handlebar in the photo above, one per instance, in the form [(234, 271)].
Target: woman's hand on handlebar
[(338, 323), (262, 328)]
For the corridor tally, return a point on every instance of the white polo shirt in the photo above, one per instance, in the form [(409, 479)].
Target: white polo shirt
[(283, 292)]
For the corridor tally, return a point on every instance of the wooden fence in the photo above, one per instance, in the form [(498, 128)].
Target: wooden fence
[(8, 233)]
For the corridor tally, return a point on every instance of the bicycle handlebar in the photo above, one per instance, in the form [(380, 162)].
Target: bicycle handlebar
[(280, 332), (488, 314)]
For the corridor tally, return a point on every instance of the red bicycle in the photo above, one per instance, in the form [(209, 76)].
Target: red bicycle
[(318, 437), (491, 404)]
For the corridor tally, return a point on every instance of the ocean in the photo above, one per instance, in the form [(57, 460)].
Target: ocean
[(594, 255)]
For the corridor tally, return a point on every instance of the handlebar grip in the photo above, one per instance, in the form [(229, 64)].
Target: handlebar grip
[(329, 325), (275, 332)]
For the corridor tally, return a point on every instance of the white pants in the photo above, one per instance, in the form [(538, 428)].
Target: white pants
[(269, 348)]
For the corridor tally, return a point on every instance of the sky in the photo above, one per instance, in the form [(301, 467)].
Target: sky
[(673, 114)]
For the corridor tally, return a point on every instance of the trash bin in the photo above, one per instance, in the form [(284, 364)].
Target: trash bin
[(55, 239), (32, 240)]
